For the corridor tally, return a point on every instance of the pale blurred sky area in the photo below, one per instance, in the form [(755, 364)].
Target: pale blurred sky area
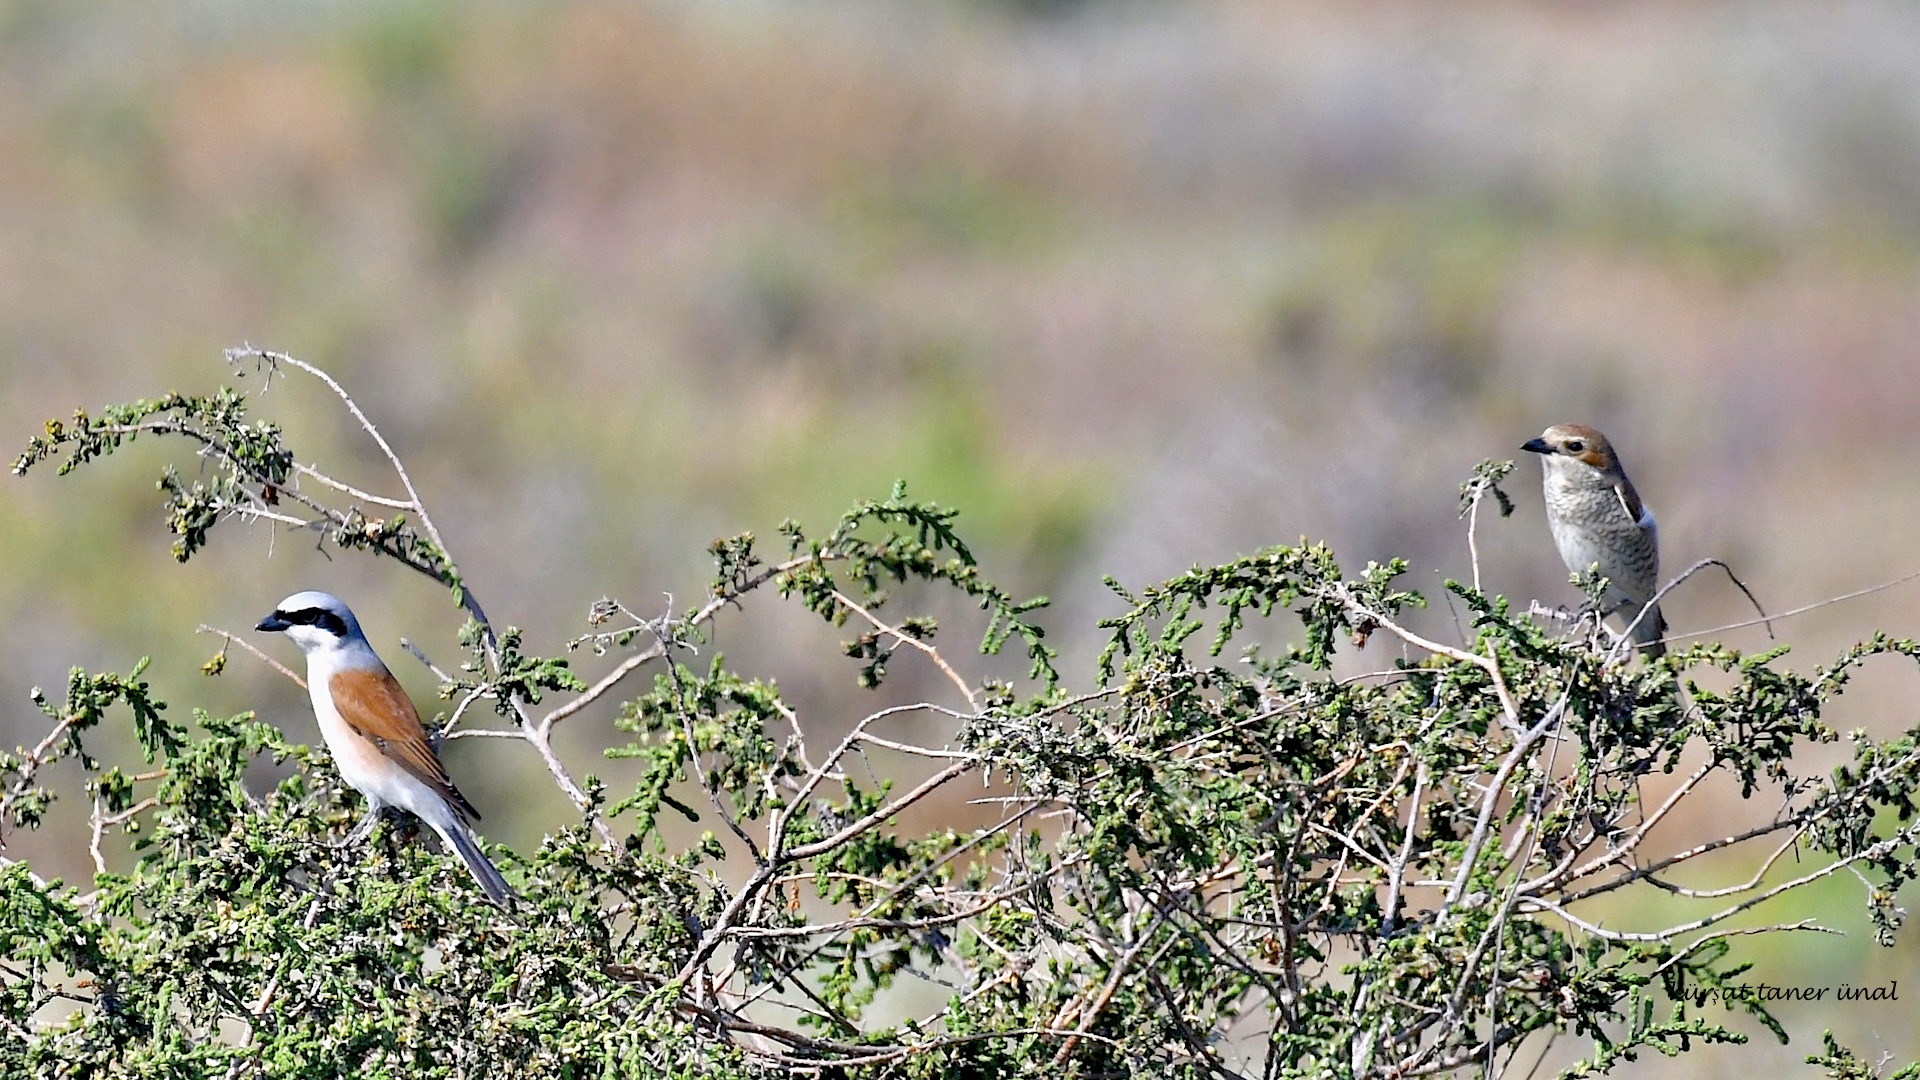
[(1135, 285)]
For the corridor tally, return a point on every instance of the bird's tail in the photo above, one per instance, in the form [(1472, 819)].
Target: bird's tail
[(482, 868), (1647, 632)]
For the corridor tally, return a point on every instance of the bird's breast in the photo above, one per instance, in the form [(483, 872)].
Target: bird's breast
[(1591, 527), (358, 759)]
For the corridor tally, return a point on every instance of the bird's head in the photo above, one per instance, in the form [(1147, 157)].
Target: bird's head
[(314, 621), (1562, 445)]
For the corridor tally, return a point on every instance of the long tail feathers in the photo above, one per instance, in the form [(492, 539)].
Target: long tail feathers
[(1648, 632), (482, 868)]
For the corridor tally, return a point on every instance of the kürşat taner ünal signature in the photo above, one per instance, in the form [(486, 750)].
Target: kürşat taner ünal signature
[(1768, 992)]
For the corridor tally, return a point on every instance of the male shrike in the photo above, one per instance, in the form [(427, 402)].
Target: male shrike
[(373, 731)]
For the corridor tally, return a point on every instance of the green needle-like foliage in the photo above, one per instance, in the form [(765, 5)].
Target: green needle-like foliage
[(1194, 867)]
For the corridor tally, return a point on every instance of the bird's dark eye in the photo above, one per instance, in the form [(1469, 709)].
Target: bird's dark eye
[(1575, 446)]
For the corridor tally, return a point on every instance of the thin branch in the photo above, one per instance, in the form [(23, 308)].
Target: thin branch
[(421, 656), (1733, 890), (100, 822), (594, 692), (276, 665), (1872, 852), (1398, 872), (1092, 1012), (1654, 603), (1829, 602), (904, 638), (1497, 785), (653, 652), (259, 1006), (917, 751), (927, 787), (1559, 875), (351, 491), (694, 769), (1490, 664), (400, 470)]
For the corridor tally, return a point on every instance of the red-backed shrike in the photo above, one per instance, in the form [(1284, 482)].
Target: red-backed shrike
[(1599, 521), (373, 731)]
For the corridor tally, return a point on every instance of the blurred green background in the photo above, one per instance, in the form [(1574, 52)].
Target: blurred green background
[(1133, 284)]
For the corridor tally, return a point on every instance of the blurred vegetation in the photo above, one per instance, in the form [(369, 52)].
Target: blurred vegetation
[(1196, 871), (1137, 284)]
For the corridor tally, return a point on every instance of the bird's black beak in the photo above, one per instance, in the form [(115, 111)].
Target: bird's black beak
[(1536, 446), (272, 622)]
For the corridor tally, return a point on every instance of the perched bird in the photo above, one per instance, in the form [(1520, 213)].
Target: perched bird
[(1598, 521), (373, 731)]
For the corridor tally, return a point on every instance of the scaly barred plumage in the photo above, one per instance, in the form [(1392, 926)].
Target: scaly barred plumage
[(1599, 522)]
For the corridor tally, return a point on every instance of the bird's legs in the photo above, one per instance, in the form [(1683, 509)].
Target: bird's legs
[(365, 828)]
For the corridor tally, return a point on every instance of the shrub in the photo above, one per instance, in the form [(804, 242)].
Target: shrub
[(1198, 868)]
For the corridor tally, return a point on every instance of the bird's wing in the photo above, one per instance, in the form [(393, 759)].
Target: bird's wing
[(1629, 499), (375, 707)]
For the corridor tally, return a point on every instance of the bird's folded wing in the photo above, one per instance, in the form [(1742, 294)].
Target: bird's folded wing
[(1629, 499), (374, 706)]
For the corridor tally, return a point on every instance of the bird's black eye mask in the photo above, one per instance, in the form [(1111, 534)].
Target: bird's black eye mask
[(313, 616)]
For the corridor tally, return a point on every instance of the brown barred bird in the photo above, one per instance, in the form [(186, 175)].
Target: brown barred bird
[(1599, 522)]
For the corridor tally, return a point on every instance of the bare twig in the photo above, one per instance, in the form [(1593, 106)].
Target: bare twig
[(1802, 610), (1494, 788), (230, 639), (1641, 615), (1871, 852), (904, 638), (101, 821), (420, 655), (653, 652), (1391, 913)]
